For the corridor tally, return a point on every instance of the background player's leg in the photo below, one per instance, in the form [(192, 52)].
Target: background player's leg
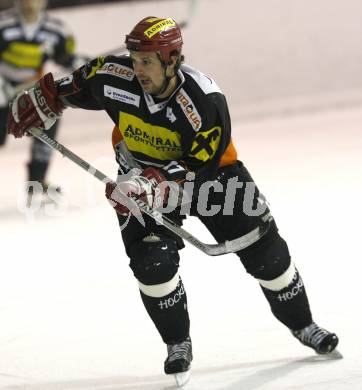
[(40, 157), (3, 120)]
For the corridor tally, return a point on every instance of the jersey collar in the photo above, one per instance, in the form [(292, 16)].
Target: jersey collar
[(158, 106), (30, 29)]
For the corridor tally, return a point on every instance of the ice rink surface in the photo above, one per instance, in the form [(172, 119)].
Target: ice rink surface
[(71, 317)]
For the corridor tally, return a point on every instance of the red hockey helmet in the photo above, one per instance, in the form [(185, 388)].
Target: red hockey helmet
[(155, 34)]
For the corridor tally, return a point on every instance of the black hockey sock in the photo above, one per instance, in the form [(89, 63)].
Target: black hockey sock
[(37, 170), (40, 157), (3, 119), (169, 314), (290, 305)]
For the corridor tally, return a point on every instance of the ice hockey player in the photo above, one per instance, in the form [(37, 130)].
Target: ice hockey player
[(175, 123), (28, 39)]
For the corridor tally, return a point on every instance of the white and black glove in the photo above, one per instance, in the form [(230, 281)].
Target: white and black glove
[(151, 187)]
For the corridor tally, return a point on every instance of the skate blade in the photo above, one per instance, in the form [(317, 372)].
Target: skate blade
[(334, 355), (182, 378)]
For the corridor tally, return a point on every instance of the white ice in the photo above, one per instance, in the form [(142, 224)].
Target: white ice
[(70, 313)]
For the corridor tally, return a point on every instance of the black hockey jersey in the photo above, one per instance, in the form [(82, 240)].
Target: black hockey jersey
[(188, 131), (25, 48)]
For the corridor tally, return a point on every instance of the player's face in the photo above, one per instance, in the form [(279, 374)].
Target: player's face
[(30, 8), (149, 71)]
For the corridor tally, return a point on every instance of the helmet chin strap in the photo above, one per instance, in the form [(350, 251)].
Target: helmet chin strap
[(165, 84), (166, 81)]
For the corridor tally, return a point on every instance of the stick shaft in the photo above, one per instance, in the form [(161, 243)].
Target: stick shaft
[(209, 249)]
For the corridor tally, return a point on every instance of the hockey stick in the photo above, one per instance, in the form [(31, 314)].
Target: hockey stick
[(209, 249), (191, 8)]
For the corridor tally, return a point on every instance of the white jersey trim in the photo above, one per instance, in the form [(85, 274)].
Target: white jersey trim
[(18, 75), (12, 33), (206, 83), (11, 21)]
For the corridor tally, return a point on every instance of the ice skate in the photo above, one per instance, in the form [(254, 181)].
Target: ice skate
[(313, 336), (178, 362)]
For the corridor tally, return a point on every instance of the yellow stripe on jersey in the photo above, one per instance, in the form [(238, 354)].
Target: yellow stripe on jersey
[(205, 144), (23, 54), (70, 45), (153, 141)]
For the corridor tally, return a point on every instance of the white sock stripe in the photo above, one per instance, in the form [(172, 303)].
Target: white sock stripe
[(281, 281), (160, 290)]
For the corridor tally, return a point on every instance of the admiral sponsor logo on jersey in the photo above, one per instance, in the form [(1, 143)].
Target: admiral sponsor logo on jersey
[(121, 95), (151, 140), (117, 70), (160, 26), (144, 137), (189, 109)]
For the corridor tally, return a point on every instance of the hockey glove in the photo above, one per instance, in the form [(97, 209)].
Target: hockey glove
[(38, 107), (151, 187)]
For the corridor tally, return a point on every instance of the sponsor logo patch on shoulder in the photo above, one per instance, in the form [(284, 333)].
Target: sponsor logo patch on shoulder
[(188, 107), (121, 95), (117, 70)]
